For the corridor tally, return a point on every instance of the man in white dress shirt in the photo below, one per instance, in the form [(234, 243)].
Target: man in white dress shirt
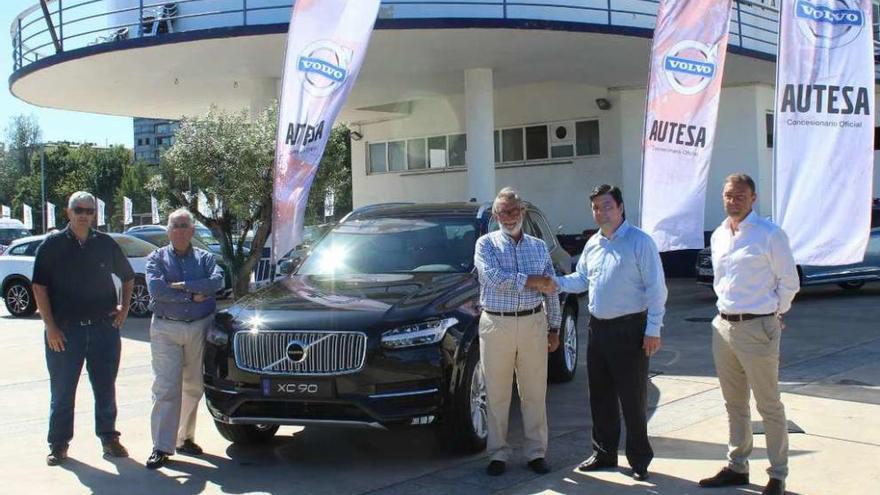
[(755, 281)]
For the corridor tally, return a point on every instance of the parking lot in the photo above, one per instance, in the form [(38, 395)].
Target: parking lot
[(831, 383)]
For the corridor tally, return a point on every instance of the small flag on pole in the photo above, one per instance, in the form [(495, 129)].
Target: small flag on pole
[(126, 210)]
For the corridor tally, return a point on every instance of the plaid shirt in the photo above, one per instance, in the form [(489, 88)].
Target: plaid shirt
[(503, 266)]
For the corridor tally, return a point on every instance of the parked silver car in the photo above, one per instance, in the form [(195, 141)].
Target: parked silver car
[(849, 277)]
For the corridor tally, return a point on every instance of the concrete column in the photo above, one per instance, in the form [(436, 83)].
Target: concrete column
[(479, 109)]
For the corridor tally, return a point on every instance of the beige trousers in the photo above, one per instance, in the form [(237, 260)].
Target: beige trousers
[(515, 344), (177, 353), (747, 357)]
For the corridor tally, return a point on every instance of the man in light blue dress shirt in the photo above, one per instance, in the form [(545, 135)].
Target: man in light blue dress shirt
[(621, 268)]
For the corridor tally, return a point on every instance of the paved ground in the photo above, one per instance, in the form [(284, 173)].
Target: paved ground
[(831, 375)]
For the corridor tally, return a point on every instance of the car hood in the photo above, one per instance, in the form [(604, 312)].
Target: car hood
[(356, 301)]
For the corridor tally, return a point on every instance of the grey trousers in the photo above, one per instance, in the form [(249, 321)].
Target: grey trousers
[(519, 344), (177, 350), (747, 357)]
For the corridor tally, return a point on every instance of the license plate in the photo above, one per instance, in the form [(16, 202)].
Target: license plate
[(705, 271), (304, 389)]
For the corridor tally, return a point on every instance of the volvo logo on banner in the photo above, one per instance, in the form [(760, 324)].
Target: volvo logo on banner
[(829, 23), (323, 67), (690, 66)]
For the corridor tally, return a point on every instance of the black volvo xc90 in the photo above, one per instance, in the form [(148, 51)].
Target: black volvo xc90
[(376, 326)]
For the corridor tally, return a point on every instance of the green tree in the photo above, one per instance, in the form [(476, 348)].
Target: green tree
[(334, 175), (133, 185), (229, 157), (22, 138)]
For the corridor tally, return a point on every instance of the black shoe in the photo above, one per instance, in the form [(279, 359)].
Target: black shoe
[(57, 455), (496, 468), (725, 477), (774, 487), (157, 459), (594, 463), (112, 448), (640, 474), (189, 448), (539, 466)]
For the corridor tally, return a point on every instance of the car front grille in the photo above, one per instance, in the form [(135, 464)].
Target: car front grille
[(289, 352), (704, 261)]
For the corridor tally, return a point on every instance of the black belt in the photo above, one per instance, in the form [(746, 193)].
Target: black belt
[(84, 322), (631, 316), (177, 320), (741, 317), (525, 312)]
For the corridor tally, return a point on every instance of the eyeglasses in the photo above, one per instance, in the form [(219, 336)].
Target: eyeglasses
[(180, 226), (79, 210), (509, 212)]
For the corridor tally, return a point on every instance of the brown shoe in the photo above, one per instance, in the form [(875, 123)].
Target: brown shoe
[(774, 487), (57, 455), (725, 477), (112, 448)]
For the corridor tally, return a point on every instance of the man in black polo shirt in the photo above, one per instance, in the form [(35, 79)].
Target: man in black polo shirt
[(77, 301)]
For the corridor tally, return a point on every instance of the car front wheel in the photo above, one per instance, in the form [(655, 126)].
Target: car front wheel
[(140, 299), (562, 363), (19, 299), (466, 425)]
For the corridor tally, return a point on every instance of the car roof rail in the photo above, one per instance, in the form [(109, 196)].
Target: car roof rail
[(377, 206)]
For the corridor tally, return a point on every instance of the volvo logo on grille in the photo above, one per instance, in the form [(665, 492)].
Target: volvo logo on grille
[(296, 351)]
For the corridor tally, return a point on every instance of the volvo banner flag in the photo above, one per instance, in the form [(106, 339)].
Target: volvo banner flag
[(687, 65), (5, 212), (100, 221), (824, 150), (154, 210), (126, 211), (27, 217), (50, 216), (326, 44)]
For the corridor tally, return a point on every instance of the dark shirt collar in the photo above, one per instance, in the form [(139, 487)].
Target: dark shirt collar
[(69, 233)]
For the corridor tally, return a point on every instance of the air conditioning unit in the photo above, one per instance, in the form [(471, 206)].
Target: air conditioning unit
[(562, 133)]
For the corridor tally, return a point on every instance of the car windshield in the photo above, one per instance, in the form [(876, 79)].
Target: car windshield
[(395, 245), (9, 235), (204, 234), (134, 247)]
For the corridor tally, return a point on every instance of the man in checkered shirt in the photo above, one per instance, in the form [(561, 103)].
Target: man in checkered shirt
[(518, 326)]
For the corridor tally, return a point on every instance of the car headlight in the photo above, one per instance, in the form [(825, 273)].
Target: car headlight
[(217, 336), (429, 332)]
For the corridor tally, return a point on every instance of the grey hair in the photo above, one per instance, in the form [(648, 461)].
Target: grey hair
[(80, 197), (507, 194), (181, 212)]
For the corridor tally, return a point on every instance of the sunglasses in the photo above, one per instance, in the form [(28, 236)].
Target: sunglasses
[(180, 225), (79, 210)]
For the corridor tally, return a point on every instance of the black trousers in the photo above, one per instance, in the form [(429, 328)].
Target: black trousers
[(618, 374)]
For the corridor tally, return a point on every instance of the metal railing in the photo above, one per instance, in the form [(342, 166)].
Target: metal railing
[(71, 24)]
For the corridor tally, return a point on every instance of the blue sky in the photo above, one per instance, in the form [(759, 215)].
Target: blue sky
[(57, 125)]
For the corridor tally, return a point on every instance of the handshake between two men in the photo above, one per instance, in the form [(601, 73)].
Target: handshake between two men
[(542, 283)]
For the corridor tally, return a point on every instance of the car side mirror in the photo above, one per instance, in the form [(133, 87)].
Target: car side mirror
[(288, 266)]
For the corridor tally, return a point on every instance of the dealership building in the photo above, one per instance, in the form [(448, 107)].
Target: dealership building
[(455, 98)]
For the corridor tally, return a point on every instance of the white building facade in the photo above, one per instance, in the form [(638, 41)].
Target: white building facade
[(455, 99)]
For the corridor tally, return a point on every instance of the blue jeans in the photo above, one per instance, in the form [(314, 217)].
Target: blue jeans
[(98, 345)]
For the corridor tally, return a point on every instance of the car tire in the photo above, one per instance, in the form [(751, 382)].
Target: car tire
[(19, 299), (465, 426), (246, 434), (140, 299), (856, 285), (562, 363)]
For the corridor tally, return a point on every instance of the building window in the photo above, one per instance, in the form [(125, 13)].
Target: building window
[(147, 141), (378, 162), (457, 145), (536, 142), (512, 145), (140, 142), (768, 128), (437, 155), (587, 137), (397, 156), (158, 141), (416, 156)]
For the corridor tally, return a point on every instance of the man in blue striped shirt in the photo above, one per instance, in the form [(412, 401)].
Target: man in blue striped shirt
[(621, 268), (182, 280), (517, 328)]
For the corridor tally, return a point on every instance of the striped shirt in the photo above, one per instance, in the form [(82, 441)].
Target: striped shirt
[(503, 266)]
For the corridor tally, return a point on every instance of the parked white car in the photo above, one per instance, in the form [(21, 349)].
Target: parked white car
[(17, 268)]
